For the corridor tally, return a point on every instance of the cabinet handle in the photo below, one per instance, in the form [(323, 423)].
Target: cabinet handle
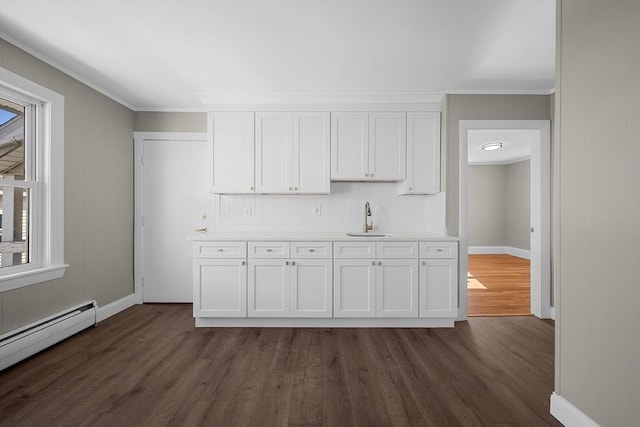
[(201, 230), (438, 250), (379, 262), (373, 263), (312, 250), (220, 250), (269, 250)]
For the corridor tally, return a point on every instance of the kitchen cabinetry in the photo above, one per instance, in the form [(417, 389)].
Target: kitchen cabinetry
[(220, 279), (280, 286), (438, 279), (292, 153), (368, 146), (231, 152), (423, 154), (385, 285)]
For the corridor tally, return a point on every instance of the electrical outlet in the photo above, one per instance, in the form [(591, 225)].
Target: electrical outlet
[(317, 210)]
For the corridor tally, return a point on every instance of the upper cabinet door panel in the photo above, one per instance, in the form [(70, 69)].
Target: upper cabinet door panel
[(273, 153), (423, 154), (231, 151), (387, 146), (311, 153), (349, 146)]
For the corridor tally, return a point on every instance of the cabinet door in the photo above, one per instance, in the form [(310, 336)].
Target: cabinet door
[(387, 146), (231, 149), (268, 284), (273, 153), (354, 288), (397, 288), (311, 290), (438, 288), (349, 146), (219, 288), (311, 158), (423, 154)]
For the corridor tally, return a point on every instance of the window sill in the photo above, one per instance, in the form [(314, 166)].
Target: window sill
[(31, 277)]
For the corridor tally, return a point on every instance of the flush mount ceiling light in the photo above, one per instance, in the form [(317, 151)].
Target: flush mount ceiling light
[(490, 146)]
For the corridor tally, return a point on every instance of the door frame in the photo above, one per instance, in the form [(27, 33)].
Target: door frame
[(540, 216), (138, 186)]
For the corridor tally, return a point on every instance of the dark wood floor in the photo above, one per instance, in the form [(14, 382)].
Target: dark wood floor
[(507, 282), (150, 366)]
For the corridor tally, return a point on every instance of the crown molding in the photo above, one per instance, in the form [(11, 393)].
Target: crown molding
[(500, 92), (237, 98)]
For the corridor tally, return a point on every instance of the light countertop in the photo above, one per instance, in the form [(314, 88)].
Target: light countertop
[(317, 236)]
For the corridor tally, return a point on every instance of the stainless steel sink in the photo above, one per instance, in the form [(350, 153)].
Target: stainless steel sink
[(367, 235)]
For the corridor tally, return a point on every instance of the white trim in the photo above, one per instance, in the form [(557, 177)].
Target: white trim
[(552, 312), (500, 91), (50, 203), (64, 69), (116, 307), (138, 208), (540, 212), (321, 98), (293, 322), (326, 107), (499, 250), (568, 414)]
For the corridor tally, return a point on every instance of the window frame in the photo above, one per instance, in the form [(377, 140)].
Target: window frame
[(47, 207)]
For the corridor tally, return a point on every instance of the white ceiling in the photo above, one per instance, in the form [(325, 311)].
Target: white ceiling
[(516, 146), (173, 55)]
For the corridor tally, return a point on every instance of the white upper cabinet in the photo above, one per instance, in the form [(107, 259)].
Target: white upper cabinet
[(231, 151), (292, 153), (423, 154), (387, 146), (368, 146)]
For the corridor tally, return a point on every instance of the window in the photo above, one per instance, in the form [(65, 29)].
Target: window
[(31, 183)]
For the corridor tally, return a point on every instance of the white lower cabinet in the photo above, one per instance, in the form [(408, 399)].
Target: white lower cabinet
[(348, 280), (299, 287), (397, 288), (439, 280), (220, 288)]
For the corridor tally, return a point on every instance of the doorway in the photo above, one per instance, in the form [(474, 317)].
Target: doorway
[(540, 236)]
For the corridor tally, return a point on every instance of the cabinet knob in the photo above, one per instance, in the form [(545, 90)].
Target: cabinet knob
[(290, 188), (286, 263), (410, 188), (293, 263), (379, 262), (295, 188), (424, 262), (370, 174), (243, 262), (373, 263), (366, 174), (251, 188)]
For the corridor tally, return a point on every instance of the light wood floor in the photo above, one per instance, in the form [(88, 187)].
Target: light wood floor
[(149, 366), (508, 285)]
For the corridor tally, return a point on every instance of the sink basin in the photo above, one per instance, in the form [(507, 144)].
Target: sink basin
[(367, 235)]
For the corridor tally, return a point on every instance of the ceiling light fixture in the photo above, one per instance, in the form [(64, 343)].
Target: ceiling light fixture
[(490, 146)]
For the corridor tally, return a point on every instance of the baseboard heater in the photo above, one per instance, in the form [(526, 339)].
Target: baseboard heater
[(21, 343)]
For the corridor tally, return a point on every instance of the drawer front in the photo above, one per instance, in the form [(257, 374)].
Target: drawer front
[(204, 250), (311, 250), (354, 249), (397, 250), (268, 249), (438, 250)]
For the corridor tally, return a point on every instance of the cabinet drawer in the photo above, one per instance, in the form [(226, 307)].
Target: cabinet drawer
[(397, 249), (354, 249), (311, 250), (219, 250), (438, 250), (268, 249)]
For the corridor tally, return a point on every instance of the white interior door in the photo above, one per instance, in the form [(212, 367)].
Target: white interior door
[(172, 203)]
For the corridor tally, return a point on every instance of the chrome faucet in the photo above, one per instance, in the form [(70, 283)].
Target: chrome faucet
[(367, 213)]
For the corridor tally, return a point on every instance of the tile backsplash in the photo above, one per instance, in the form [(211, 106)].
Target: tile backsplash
[(342, 210)]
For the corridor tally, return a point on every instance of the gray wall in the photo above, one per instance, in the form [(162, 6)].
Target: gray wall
[(487, 193), (518, 205), (98, 205), (479, 107), (170, 122), (598, 296), (499, 205)]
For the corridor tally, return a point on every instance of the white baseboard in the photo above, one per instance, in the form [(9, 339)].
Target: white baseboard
[(500, 250), (568, 414), (116, 307)]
